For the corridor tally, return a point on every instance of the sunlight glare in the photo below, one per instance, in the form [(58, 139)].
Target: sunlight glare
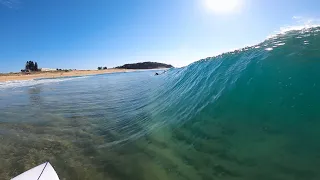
[(222, 6)]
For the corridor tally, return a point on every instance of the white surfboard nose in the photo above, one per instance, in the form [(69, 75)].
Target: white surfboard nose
[(42, 172)]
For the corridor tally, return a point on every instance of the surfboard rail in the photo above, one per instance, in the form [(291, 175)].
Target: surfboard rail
[(44, 171)]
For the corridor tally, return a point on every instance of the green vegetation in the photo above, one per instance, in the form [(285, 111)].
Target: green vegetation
[(31, 66), (104, 68), (65, 70), (145, 65)]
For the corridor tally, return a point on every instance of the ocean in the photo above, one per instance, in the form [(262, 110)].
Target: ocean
[(249, 114)]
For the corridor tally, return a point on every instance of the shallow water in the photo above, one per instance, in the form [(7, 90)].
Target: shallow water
[(244, 115)]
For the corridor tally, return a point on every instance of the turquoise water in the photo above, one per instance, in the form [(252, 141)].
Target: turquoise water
[(245, 115)]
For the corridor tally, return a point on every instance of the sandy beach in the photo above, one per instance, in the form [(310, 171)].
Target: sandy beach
[(56, 74)]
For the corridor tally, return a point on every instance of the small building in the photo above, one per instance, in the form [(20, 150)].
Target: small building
[(47, 69)]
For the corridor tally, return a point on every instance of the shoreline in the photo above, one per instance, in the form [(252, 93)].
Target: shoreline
[(58, 74)]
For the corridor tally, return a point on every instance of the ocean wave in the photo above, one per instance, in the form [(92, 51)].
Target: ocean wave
[(247, 114)]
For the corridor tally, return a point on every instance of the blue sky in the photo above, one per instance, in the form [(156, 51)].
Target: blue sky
[(85, 34)]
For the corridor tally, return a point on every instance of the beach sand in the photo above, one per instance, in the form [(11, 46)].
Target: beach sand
[(56, 74)]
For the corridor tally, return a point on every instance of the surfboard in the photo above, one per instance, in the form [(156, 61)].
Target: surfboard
[(42, 172)]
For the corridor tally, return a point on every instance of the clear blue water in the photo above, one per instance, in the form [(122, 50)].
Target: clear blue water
[(243, 115)]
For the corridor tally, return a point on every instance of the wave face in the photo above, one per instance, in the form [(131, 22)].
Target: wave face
[(244, 115)]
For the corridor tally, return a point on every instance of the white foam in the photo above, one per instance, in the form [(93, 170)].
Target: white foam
[(297, 28), (26, 83), (280, 44), (304, 24)]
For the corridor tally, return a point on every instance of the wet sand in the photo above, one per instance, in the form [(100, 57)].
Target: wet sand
[(56, 74)]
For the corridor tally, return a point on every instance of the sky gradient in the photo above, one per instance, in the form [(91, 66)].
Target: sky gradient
[(86, 34)]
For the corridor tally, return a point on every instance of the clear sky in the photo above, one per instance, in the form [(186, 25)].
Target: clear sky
[(85, 34)]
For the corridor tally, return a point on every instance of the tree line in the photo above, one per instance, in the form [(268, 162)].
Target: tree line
[(104, 68), (145, 65), (31, 66)]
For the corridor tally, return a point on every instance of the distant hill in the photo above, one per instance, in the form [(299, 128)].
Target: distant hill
[(145, 65)]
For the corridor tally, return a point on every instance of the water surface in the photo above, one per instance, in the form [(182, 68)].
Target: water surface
[(244, 115)]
